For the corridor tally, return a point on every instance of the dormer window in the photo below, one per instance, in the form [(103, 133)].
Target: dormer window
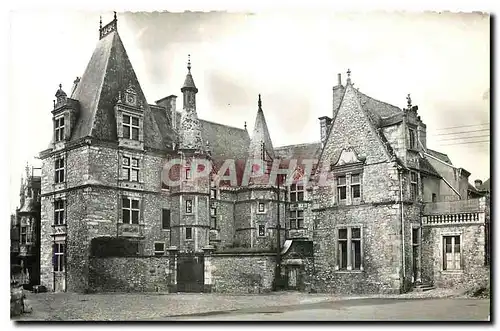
[(130, 127), (59, 129)]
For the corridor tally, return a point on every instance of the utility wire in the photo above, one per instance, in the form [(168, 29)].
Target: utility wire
[(460, 132), (455, 138), (466, 143), (462, 126)]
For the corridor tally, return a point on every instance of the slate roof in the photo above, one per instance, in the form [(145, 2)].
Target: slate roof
[(108, 72), (378, 110), (441, 156), (260, 135), (299, 152), (424, 165), (225, 142)]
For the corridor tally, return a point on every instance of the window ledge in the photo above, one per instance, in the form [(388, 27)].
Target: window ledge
[(452, 272), (349, 271)]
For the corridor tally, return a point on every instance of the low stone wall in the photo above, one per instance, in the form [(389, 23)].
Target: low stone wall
[(458, 206), (130, 274), (242, 272)]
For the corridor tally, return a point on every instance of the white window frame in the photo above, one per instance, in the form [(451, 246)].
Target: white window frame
[(59, 257), (186, 206), (129, 126), (259, 203), (443, 252), (59, 170), (59, 129), (296, 219), (351, 191), (129, 167), (337, 181), (295, 192), (131, 210), (58, 211), (350, 252), (258, 230)]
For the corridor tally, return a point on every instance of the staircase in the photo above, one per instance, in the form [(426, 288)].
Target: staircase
[(423, 287)]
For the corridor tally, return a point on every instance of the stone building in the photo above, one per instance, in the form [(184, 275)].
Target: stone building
[(25, 229), (355, 212)]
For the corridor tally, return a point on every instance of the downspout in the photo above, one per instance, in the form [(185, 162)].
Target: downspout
[(402, 225)]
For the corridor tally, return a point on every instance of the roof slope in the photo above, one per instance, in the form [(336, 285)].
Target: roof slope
[(485, 186), (225, 142), (298, 152), (441, 156), (260, 135), (109, 72)]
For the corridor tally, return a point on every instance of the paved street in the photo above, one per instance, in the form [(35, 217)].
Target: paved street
[(432, 305)]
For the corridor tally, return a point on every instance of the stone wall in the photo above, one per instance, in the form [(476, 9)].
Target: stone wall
[(242, 272), (472, 272), (130, 274)]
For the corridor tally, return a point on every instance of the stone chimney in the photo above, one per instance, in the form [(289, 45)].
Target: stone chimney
[(339, 76), (170, 104), (478, 183), (324, 125)]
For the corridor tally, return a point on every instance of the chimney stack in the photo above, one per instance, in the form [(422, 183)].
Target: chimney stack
[(324, 124), (170, 104), (478, 183), (339, 79)]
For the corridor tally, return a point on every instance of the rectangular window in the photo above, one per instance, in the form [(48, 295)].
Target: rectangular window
[(413, 139), (24, 235), (451, 253), (59, 129), (356, 186), (165, 219), (59, 170), (130, 127), (59, 212), (130, 210), (189, 233), (213, 222), (159, 249), (261, 208), (213, 211), (189, 206), (188, 173), (213, 193), (131, 168), (414, 185), (296, 219), (262, 230), (296, 193), (59, 254), (341, 188), (349, 239), (434, 197)]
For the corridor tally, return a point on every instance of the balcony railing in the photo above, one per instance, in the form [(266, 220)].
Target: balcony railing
[(462, 218)]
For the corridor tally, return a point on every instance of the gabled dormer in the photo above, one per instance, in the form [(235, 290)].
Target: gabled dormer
[(129, 114), (64, 116)]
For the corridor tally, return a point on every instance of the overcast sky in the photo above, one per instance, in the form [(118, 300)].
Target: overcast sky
[(292, 59)]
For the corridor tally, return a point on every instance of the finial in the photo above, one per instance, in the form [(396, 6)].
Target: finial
[(408, 98), (245, 125), (348, 76), (60, 86), (100, 23), (114, 15), (260, 103), (189, 62)]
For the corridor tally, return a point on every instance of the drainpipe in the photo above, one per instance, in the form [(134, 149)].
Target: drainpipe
[(402, 225), (278, 239)]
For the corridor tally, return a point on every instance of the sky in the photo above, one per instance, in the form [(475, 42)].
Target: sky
[(290, 57)]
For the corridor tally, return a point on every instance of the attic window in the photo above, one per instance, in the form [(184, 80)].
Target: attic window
[(59, 129), (130, 127)]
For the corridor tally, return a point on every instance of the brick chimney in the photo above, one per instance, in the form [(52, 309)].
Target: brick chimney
[(170, 104), (324, 125), (478, 183)]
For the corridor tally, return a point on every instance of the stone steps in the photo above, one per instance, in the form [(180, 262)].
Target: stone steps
[(423, 288)]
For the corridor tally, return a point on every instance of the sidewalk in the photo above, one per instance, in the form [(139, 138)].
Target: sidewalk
[(151, 306)]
